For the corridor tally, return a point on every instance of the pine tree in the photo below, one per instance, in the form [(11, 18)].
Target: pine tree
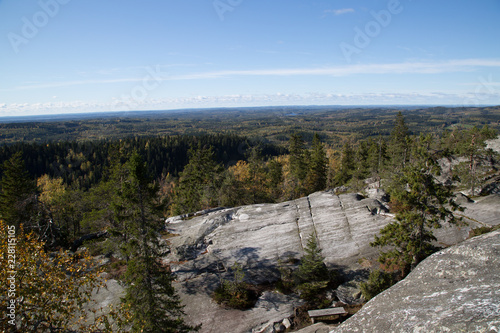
[(316, 177), (312, 267), (298, 161), (198, 182), (377, 157), (347, 165), (421, 205), (400, 143), (275, 175), (18, 193), (472, 145), (312, 275), (362, 161), (151, 303)]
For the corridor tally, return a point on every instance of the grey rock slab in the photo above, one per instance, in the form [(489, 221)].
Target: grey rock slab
[(258, 236), (483, 210), (454, 290), (494, 144), (271, 308)]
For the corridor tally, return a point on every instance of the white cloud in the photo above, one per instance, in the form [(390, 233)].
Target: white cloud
[(339, 11), (239, 100), (450, 66), (394, 68)]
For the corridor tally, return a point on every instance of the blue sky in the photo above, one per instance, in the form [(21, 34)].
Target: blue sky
[(62, 56)]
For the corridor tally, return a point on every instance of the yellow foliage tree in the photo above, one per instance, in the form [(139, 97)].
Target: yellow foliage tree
[(44, 292), (51, 189)]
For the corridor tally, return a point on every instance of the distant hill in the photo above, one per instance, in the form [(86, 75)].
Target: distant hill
[(335, 124)]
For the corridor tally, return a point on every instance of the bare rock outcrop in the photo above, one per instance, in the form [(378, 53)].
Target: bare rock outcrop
[(454, 290), (258, 236)]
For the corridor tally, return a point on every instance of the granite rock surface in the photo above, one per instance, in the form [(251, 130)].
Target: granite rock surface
[(454, 290)]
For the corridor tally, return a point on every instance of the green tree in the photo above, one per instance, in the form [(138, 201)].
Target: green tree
[(18, 193), (317, 175), (198, 182), (378, 281), (312, 275), (421, 204), (298, 157), (347, 165), (150, 303), (362, 161), (235, 293), (377, 157), (471, 143), (400, 143), (275, 175)]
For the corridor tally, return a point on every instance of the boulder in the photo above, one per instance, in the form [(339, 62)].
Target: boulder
[(350, 292), (454, 290)]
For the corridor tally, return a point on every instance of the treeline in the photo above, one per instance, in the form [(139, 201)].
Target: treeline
[(83, 164)]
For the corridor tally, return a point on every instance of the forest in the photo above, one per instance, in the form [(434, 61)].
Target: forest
[(334, 124), (123, 183)]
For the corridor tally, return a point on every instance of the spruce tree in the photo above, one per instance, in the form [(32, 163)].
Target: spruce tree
[(316, 178), (362, 161), (312, 275), (18, 192), (275, 175), (151, 303), (421, 204), (298, 161), (347, 165), (400, 143), (312, 267), (198, 182)]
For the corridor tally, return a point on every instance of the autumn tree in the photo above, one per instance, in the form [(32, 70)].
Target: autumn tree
[(20, 204), (49, 291), (63, 206), (151, 304)]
